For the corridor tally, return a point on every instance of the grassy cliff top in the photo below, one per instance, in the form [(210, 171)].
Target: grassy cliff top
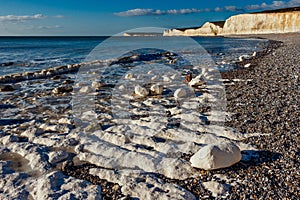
[(283, 10)]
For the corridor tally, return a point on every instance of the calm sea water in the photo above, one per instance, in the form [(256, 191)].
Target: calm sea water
[(19, 54)]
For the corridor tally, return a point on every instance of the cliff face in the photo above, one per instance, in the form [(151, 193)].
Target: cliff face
[(208, 29), (262, 23), (256, 23)]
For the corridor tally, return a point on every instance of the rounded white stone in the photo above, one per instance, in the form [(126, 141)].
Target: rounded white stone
[(180, 93), (216, 156), (96, 84), (85, 89), (166, 79), (141, 91), (129, 76), (121, 87), (156, 89)]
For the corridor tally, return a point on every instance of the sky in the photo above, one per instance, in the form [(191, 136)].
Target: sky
[(110, 17)]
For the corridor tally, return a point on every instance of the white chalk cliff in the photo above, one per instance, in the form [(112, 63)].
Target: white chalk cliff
[(254, 23), (208, 29)]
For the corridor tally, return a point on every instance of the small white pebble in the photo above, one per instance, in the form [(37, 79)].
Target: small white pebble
[(141, 91), (247, 65), (129, 76), (154, 78), (166, 79), (156, 89), (85, 89), (121, 87), (180, 93)]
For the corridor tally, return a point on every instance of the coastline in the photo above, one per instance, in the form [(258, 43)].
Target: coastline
[(274, 173), (268, 104), (265, 104)]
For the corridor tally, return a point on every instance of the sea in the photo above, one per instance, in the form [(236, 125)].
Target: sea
[(21, 54)]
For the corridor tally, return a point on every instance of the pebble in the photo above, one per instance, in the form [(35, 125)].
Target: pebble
[(129, 76), (141, 91), (157, 89), (247, 65), (85, 89), (180, 93), (197, 81)]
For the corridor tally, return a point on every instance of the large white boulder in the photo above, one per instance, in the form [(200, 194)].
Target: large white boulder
[(216, 156)]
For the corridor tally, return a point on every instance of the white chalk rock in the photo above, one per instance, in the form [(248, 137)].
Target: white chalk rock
[(57, 156), (96, 84), (129, 76), (155, 78), (141, 91), (217, 189), (157, 89), (247, 65), (85, 89), (166, 79), (241, 58), (121, 87), (32, 132), (216, 156), (180, 93), (196, 81), (55, 184), (65, 121), (254, 54)]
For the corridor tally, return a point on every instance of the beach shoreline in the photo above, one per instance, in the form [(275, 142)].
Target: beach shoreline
[(261, 99), (267, 105)]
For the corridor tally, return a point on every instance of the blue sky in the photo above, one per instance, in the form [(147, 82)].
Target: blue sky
[(108, 17)]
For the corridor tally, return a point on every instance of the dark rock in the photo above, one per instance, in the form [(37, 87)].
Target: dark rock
[(6, 88)]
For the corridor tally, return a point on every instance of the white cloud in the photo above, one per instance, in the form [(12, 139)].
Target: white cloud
[(17, 18), (50, 27), (274, 5), (263, 6), (143, 12), (233, 9), (59, 16), (218, 9)]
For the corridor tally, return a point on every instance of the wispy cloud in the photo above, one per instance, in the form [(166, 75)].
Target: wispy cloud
[(49, 27), (144, 12), (59, 16), (19, 18), (274, 5)]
